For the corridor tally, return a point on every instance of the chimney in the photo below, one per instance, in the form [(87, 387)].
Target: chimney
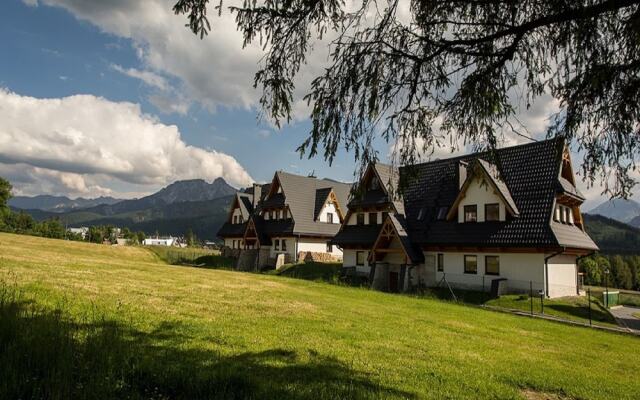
[(257, 192), (462, 173)]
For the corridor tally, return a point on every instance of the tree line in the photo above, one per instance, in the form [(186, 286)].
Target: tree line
[(612, 270)]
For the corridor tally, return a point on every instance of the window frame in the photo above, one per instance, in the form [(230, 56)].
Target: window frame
[(329, 247), (283, 244), (440, 262), (486, 207), (360, 219), (376, 220), (276, 244), (467, 271), (486, 263), (358, 263), (329, 218), (464, 212)]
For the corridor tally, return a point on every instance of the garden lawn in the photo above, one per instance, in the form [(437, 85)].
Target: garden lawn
[(133, 327)]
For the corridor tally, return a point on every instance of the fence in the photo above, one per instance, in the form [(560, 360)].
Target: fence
[(564, 302)]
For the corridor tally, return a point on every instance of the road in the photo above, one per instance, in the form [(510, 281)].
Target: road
[(624, 315)]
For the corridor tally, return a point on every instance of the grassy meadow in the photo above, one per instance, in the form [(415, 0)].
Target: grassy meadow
[(81, 320)]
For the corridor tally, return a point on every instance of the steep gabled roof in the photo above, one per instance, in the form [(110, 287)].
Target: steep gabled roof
[(395, 225), (300, 196), (489, 171), (530, 173), (321, 199)]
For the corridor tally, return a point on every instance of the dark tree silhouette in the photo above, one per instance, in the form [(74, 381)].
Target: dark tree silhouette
[(469, 65)]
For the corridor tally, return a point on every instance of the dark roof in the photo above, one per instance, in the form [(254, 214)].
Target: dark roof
[(400, 225), (493, 174), (357, 235), (564, 186), (232, 230), (321, 200), (530, 172), (246, 208)]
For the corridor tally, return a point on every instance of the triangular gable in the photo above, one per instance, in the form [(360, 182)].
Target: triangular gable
[(490, 172), (323, 197), (393, 227), (238, 203), (254, 231)]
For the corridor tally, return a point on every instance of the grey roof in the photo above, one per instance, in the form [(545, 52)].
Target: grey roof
[(232, 230), (300, 196), (246, 208), (572, 236)]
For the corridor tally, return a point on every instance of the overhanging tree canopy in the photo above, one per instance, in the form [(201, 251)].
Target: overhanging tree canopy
[(419, 71)]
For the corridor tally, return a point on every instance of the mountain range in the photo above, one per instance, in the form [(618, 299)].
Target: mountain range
[(627, 211), (189, 204)]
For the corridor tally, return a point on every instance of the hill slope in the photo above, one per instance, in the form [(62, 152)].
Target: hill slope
[(236, 335), (611, 236)]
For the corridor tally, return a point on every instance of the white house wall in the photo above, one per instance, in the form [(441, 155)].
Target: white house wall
[(329, 208), (520, 269), (349, 260), (480, 194), (562, 276), (317, 246), (236, 213)]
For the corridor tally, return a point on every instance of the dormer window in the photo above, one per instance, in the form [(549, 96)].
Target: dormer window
[(373, 218), (471, 213), (360, 219), (492, 212)]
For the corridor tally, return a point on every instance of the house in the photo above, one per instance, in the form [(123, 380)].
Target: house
[(157, 241), (83, 231), (512, 214), (292, 218)]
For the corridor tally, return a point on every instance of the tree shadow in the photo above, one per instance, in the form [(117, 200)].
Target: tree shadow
[(45, 354)]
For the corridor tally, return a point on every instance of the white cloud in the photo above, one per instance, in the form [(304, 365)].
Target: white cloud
[(86, 140), (150, 78)]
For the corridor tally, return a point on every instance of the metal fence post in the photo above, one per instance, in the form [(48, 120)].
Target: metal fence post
[(589, 300), (483, 296), (531, 295)]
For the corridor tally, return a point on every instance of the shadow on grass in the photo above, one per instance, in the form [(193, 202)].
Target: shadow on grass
[(44, 354)]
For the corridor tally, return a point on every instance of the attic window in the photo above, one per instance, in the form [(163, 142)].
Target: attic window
[(375, 184), (442, 213)]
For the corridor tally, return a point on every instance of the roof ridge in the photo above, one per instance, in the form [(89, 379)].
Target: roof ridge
[(477, 153)]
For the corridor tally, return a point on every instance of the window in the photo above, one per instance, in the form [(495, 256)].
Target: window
[(442, 213), (241, 219), (271, 214), (329, 247), (330, 218), (359, 257), (375, 184), (233, 244), (567, 213), (492, 212), (440, 262), (470, 264), (284, 244), (556, 215), (492, 265), (276, 244), (373, 218), (471, 213), (360, 219)]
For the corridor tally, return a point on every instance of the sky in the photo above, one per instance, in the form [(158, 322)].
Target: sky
[(119, 98)]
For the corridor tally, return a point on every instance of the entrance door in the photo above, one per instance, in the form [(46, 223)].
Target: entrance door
[(393, 282)]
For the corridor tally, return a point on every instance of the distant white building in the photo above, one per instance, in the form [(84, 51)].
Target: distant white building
[(82, 231), (159, 241)]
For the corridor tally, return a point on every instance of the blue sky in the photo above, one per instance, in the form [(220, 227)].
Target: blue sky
[(117, 97), (52, 53)]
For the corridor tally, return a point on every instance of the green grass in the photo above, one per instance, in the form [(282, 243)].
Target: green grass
[(178, 255), (637, 315), (313, 271), (626, 298), (94, 321)]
